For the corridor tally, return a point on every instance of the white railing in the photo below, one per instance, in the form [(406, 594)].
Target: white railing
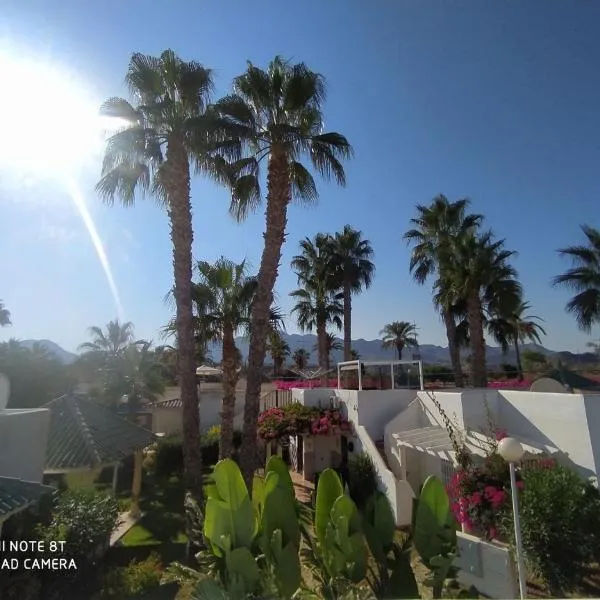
[(275, 399)]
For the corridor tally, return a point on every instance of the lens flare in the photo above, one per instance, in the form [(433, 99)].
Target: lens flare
[(51, 131), (79, 203)]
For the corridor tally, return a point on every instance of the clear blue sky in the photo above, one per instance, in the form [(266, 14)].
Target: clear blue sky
[(497, 101)]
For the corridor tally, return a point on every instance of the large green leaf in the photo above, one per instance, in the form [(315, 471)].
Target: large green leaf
[(287, 571), (329, 489), (379, 525), (402, 584), (280, 513), (233, 512), (277, 465), (241, 565), (434, 495), (208, 589)]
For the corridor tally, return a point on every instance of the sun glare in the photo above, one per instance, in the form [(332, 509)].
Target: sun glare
[(49, 122), (51, 130)]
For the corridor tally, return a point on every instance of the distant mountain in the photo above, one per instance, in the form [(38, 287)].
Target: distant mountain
[(66, 358), (367, 350), (372, 350)]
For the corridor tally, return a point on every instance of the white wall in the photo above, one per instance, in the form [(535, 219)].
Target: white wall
[(377, 407), (451, 402), (23, 441), (487, 566), (592, 409), (558, 420), (167, 420)]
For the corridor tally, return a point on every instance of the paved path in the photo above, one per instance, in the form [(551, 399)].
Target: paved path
[(127, 521), (303, 488)]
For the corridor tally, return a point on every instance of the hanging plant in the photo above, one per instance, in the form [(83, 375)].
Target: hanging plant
[(297, 419)]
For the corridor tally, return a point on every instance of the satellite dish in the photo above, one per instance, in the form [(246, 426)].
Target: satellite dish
[(4, 391)]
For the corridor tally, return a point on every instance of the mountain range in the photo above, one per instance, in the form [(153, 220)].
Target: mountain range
[(367, 350)]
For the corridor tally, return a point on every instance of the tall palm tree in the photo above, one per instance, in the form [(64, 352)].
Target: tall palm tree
[(331, 344), (583, 278), (277, 114), (317, 303), (435, 230), (142, 374), (279, 350), (479, 272), (4, 315), (301, 358), (162, 133), (353, 257), (109, 344), (513, 325), (224, 295), (399, 335)]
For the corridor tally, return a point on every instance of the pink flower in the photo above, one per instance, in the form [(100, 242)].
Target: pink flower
[(500, 434), (520, 485)]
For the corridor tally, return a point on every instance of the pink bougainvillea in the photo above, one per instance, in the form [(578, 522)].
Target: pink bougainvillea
[(297, 419)]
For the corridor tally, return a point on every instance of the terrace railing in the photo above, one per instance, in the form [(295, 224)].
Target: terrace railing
[(275, 399)]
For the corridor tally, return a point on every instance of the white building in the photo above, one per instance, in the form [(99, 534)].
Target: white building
[(403, 432)]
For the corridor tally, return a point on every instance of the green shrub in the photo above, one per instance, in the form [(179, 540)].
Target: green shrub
[(362, 479), (85, 520), (168, 457), (560, 522), (136, 578)]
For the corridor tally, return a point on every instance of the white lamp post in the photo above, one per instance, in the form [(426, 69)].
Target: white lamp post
[(512, 451)]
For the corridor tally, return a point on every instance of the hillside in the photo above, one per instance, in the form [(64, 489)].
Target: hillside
[(52, 348), (367, 350)]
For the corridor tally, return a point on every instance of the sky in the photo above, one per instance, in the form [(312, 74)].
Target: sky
[(494, 101)]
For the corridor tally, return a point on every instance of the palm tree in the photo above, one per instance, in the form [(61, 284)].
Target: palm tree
[(399, 335), (513, 325), (223, 297), (318, 304), (435, 230), (4, 315), (355, 269), (278, 116), (478, 273), (300, 358), (583, 278), (143, 374), (151, 152), (331, 344), (109, 344), (279, 350), (354, 355)]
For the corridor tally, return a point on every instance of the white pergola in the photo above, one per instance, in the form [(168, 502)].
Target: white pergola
[(356, 365)]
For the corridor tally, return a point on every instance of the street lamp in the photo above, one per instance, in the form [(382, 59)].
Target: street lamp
[(512, 451)]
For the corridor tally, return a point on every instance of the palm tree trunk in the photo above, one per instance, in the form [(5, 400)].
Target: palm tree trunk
[(177, 182), (399, 351), (478, 366), (322, 348), (278, 198), (347, 321), (453, 348), (229, 384), (520, 376)]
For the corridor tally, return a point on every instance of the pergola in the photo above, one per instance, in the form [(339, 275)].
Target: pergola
[(84, 435), (356, 365)]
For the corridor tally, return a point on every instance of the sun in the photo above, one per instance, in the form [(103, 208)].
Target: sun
[(49, 121)]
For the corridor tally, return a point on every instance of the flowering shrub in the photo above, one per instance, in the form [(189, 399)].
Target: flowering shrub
[(297, 419), (560, 524), (478, 494)]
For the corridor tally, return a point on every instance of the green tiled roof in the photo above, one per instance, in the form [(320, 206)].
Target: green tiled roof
[(84, 434), (16, 494)]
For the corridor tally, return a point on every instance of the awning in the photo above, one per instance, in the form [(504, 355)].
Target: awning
[(17, 495)]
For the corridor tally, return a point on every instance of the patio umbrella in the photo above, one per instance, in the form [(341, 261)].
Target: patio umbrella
[(205, 370)]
